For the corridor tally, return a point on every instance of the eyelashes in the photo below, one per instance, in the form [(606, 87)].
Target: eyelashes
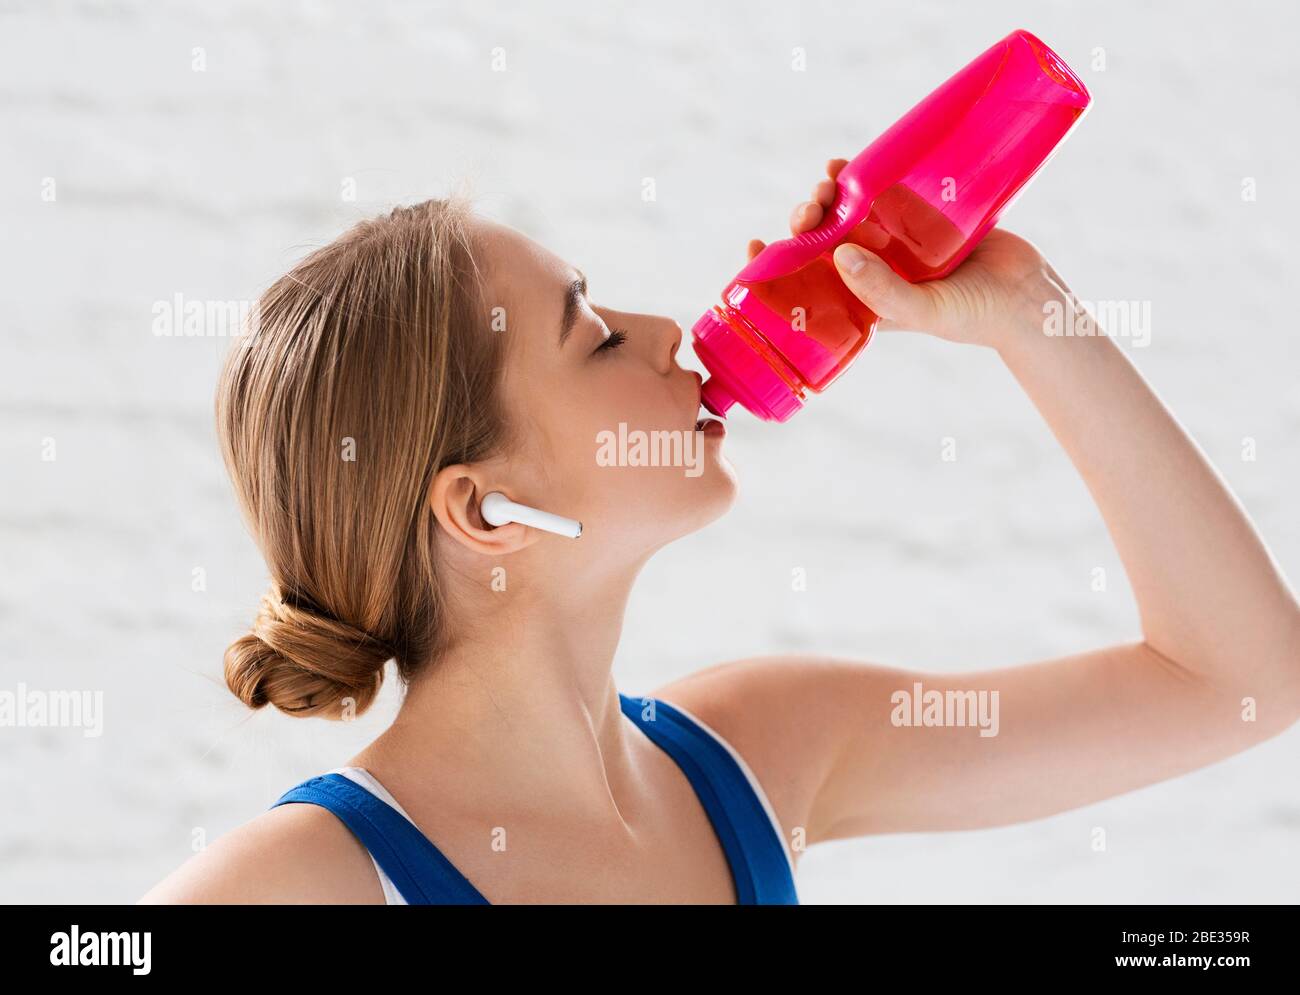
[(616, 338)]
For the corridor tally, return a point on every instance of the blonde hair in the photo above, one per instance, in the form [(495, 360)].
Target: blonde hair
[(370, 368)]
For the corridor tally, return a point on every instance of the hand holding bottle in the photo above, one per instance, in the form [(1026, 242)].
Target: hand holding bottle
[(977, 304), (915, 206)]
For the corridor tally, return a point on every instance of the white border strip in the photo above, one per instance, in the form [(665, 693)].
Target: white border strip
[(367, 781)]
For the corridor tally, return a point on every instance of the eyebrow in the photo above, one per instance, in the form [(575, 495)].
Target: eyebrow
[(573, 295)]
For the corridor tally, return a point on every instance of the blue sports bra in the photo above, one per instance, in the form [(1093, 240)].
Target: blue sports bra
[(734, 801)]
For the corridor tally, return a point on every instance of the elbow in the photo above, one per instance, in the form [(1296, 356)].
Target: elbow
[(1289, 660), (1258, 665), (1292, 668)]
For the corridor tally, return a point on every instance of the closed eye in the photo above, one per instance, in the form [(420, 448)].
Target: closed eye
[(615, 339)]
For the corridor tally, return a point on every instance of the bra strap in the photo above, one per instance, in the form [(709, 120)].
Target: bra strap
[(416, 867), (754, 846)]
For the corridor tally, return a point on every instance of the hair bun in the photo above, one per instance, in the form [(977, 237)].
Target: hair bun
[(305, 662)]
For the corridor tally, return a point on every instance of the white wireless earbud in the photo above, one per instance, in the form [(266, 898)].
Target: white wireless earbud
[(497, 509)]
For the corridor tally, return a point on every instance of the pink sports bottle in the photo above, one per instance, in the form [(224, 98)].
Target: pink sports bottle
[(921, 196)]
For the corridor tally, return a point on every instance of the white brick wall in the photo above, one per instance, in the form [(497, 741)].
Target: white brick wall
[(210, 183)]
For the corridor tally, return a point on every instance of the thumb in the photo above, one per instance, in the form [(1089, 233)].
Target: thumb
[(901, 304)]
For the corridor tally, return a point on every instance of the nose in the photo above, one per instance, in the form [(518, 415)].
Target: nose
[(674, 335)]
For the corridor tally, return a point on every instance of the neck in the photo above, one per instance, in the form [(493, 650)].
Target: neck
[(521, 709)]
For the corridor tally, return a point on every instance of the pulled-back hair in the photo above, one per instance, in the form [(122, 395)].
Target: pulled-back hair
[(370, 367)]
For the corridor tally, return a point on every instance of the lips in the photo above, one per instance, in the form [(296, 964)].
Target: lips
[(711, 426)]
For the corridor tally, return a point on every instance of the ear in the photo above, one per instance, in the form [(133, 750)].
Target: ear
[(454, 500)]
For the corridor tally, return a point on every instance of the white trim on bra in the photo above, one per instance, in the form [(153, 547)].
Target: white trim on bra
[(753, 781), (364, 779)]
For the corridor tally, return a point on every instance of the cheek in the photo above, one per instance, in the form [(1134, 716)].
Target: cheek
[(578, 420), (635, 396), (594, 467)]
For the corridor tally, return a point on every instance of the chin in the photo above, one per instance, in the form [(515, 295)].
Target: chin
[(715, 493), (656, 512)]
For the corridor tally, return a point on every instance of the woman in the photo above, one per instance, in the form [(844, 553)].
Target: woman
[(428, 358)]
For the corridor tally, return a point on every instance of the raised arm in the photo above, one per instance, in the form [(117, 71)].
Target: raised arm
[(1217, 667)]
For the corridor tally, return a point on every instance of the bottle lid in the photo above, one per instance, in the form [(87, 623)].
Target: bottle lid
[(715, 396), (739, 373)]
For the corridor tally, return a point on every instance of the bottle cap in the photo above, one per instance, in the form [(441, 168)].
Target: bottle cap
[(715, 396), (739, 373)]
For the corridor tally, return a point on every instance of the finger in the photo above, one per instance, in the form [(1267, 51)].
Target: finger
[(874, 283), (824, 193), (756, 245), (833, 167), (805, 216)]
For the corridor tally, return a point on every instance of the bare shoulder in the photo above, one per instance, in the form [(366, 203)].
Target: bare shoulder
[(293, 854), (774, 710), (842, 750)]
